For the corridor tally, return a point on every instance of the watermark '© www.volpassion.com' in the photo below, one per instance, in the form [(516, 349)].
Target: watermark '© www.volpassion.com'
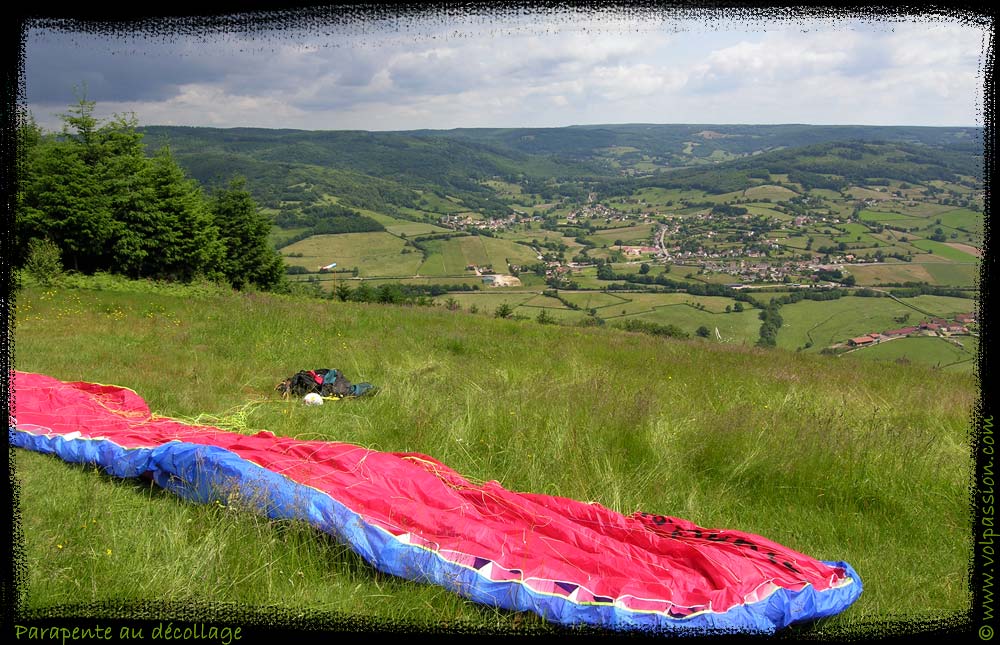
[(986, 535)]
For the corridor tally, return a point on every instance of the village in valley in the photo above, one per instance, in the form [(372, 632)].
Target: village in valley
[(703, 232)]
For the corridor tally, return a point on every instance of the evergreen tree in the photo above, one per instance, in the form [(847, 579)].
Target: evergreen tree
[(191, 245), (63, 201), (249, 257), (141, 235)]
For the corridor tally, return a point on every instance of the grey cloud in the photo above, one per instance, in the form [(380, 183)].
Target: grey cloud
[(113, 71)]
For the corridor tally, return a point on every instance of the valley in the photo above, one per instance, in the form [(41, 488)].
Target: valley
[(666, 224)]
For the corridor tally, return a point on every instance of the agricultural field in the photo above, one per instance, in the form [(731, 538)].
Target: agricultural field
[(766, 211), (708, 277), (560, 314), (587, 300), (631, 235), (857, 192), (487, 302), (725, 198), (826, 193), (892, 272), (452, 256), (683, 310), (961, 218), (471, 280), (504, 188), (661, 196), (958, 275), (769, 191), (965, 248), (737, 328), (797, 243), (853, 229), (824, 323), (533, 233), (403, 227), (586, 278), (431, 202), (945, 251), (640, 303), (892, 218), (374, 254), (958, 353), (941, 306), (279, 235), (329, 281)]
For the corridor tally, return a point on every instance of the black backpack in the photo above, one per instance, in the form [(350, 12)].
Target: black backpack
[(325, 382)]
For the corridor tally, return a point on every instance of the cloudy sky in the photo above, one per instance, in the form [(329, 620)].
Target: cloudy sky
[(534, 69)]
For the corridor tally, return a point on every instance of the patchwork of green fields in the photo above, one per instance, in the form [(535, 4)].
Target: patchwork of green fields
[(683, 310), (858, 192), (816, 324)]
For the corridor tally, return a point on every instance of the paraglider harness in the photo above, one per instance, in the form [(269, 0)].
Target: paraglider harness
[(325, 382)]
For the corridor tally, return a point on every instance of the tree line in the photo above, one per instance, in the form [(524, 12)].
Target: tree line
[(91, 195)]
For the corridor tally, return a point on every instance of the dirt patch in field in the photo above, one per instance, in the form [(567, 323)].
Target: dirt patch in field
[(502, 281), (965, 248)]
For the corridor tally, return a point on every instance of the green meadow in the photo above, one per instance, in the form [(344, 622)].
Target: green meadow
[(374, 254), (629, 235), (922, 269), (824, 323), (403, 227), (452, 256), (862, 462), (959, 275), (769, 191), (954, 354), (962, 218), (943, 250)]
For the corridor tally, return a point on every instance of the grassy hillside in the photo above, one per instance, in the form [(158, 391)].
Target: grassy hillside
[(862, 461)]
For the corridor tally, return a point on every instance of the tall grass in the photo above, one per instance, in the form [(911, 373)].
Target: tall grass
[(867, 463)]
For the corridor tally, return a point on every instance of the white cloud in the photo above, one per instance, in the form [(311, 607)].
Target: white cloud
[(507, 74)]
